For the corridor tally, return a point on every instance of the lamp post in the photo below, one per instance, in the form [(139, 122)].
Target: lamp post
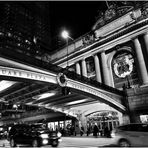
[(66, 36)]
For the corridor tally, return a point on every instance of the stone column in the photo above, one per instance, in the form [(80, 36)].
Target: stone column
[(84, 69), (146, 41), (140, 58), (106, 78), (97, 68), (78, 69), (145, 36)]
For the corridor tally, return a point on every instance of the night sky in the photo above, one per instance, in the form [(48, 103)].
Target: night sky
[(77, 17)]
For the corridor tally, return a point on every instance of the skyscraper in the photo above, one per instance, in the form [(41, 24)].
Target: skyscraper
[(26, 26)]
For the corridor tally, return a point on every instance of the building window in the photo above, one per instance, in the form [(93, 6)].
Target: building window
[(90, 67)]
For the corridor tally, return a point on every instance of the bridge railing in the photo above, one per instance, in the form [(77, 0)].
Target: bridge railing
[(83, 79)]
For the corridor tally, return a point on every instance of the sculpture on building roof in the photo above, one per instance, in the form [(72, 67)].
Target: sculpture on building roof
[(115, 10)]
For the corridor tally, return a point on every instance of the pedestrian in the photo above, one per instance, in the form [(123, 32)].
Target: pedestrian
[(88, 130), (82, 131), (77, 130), (106, 131), (95, 130)]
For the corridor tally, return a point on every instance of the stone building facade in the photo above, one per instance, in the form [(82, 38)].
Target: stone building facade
[(115, 53)]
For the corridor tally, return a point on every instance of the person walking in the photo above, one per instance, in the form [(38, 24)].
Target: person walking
[(88, 130), (95, 130), (82, 131)]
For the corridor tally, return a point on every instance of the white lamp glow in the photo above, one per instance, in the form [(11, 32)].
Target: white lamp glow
[(65, 34)]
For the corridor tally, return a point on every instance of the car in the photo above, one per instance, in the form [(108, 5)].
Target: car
[(132, 134), (35, 135)]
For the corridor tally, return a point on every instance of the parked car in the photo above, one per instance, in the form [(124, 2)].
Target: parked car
[(135, 134), (35, 135)]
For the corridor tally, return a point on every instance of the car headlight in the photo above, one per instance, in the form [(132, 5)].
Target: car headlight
[(44, 135), (59, 134), (113, 135)]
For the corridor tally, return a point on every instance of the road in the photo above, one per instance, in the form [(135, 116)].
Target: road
[(74, 142)]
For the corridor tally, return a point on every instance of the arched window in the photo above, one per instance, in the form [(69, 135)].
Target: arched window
[(124, 69)]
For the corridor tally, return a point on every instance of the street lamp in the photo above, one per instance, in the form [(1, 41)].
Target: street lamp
[(66, 36)]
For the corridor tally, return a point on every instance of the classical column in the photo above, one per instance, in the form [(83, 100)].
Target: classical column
[(84, 69), (145, 36), (106, 78), (140, 58), (146, 41), (78, 70), (97, 68)]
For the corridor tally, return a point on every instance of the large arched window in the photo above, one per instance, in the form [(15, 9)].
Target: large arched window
[(124, 69), (90, 67)]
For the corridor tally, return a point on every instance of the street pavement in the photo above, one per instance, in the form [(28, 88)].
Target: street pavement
[(75, 142)]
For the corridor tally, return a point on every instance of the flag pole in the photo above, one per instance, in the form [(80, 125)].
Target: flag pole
[(107, 4)]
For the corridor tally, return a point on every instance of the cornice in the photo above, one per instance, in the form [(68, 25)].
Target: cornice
[(129, 32)]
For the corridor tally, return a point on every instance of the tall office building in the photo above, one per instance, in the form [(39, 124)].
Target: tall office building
[(26, 25)]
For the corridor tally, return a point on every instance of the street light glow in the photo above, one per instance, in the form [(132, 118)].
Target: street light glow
[(65, 34)]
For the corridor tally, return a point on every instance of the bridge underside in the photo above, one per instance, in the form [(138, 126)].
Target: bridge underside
[(31, 95)]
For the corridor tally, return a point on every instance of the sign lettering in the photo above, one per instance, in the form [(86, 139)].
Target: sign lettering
[(13, 72)]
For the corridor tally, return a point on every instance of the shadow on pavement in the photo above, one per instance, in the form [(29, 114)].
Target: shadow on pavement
[(111, 145)]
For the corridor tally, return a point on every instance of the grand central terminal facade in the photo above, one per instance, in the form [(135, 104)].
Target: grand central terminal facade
[(114, 53), (100, 77)]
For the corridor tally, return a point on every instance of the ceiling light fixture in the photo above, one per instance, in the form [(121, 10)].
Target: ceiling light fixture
[(42, 96), (76, 102), (5, 84)]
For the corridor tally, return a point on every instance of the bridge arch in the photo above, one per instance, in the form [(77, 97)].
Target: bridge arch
[(29, 73), (111, 98)]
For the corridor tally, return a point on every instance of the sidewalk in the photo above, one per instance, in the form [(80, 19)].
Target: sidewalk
[(85, 135)]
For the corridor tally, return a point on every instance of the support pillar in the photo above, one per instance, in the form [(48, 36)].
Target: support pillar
[(84, 69), (146, 41), (97, 68), (106, 78), (140, 58), (145, 36), (78, 70)]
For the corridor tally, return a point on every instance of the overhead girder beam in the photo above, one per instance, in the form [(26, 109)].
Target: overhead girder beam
[(17, 92), (54, 99), (89, 101), (68, 100), (23, 91), (25, 95), (38, 92), (15, 89)]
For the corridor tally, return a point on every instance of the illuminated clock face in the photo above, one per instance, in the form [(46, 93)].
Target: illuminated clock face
[(123, 65)]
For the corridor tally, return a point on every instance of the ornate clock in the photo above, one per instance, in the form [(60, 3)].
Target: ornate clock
[(123, 66)]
